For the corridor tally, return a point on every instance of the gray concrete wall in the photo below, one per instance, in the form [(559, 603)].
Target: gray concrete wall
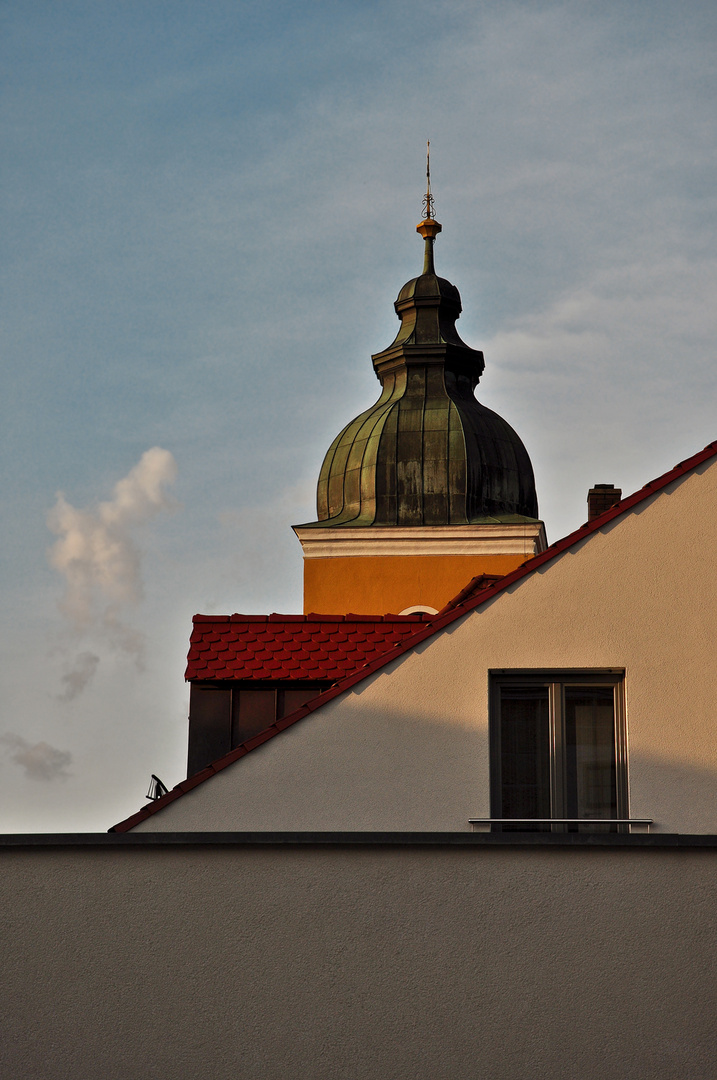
[(358, 962)]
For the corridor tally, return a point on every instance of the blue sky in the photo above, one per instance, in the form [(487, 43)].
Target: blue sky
[(208, 210)]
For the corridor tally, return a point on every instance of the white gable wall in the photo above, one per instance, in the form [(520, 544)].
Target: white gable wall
[(408, 748)]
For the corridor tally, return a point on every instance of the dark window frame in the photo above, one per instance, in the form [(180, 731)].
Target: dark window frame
[(556, 680)]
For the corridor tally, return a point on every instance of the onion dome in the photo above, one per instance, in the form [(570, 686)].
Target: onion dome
[(427, 453)]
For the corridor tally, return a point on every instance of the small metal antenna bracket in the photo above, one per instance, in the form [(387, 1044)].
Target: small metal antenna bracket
[(156, 788)]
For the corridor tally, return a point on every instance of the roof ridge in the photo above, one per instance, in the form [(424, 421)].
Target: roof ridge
[(467, 590), (315, 617), (431, 627)]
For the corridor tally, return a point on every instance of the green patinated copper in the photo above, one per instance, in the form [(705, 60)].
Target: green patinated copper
[(427, 453)]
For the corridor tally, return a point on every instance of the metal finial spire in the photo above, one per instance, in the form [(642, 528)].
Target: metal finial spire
[(429, 228), (429, 206)]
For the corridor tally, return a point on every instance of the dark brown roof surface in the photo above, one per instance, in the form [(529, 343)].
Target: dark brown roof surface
[(432, 626)]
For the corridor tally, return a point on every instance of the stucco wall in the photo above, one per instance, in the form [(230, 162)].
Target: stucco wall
[(270, 963), (408, 748)]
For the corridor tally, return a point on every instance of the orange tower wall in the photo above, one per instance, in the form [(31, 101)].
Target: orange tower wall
[(382, 584)]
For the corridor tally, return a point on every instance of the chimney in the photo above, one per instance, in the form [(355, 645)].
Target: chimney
[(601, 498)]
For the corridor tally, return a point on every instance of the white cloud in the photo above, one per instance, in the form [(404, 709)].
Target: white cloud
[(40, 761), (100, 560)]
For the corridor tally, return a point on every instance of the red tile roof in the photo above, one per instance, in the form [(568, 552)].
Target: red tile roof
[(273, 647), (433, 625), (474, 586)]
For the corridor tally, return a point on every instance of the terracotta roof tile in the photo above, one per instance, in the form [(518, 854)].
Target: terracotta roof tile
[(292, 646)]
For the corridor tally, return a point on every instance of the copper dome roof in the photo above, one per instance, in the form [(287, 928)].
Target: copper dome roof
[(427, 452)]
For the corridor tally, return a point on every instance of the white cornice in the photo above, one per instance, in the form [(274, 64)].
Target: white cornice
[(514, 538)]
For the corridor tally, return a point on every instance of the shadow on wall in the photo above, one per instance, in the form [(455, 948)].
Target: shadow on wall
[(411, 762), (367, 769), (679, 797)]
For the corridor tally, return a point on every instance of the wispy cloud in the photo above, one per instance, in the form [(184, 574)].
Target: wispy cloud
[(39, 760), (98, 555), (79, 674)]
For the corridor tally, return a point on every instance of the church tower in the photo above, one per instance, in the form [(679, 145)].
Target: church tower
[(427, 488)]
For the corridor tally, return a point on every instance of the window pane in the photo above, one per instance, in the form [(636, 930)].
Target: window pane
[(294, 699), (252, 712), (209, 726), (591, 788), (525, 752)]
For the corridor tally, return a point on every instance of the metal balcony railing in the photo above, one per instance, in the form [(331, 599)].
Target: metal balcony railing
[(635, 824)]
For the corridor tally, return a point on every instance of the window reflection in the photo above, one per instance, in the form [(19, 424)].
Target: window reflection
[(554, 751), (525, 753), (591, 789)]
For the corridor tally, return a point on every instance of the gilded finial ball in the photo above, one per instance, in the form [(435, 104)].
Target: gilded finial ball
[(429, 228)]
